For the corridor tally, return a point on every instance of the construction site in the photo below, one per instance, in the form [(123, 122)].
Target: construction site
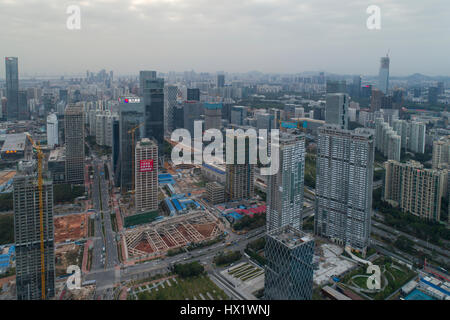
[(70, 227), (153, 241)]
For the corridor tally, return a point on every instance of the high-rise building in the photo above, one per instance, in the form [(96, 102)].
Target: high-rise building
[(192, 111), (220, 80), (441, 153), (289, 270), (337, 109), (193, 94), (74, 135), (52, 130), (131, 116), (433, 93), (12, 88), (213, 116), (24, 114), (153, 94), (27, 235), (143, 77), (240, 182), (414, 189), (383, 76), (376, 100), (146, 175), (344, 180), (285, 188), (417, 137), (238, 115), (338, 86), (170, 102), (264, 120), (356, 87), (104, 128)]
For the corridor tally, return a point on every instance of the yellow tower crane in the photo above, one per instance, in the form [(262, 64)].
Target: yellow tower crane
[(132, 131), (40, 156)]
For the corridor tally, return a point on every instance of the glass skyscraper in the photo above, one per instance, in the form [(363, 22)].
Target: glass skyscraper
[(131, 116), (12, 88), (289, 269), (152, 89)]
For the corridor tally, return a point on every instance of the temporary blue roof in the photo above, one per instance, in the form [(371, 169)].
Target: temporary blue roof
[(435, 286), (177, 205), (235, 215)]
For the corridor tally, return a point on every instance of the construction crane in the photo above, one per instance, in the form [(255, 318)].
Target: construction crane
[(132, 131), (40, 156)]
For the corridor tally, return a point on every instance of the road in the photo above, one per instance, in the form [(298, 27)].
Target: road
[(105, 255)]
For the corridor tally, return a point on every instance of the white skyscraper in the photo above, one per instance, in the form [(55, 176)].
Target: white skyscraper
[(285, 188), (52, 130), (146, 175), (345, 161), (417, 137), (383, 76), (337, 109)]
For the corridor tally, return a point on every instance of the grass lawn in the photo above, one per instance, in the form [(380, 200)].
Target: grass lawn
[(184, 288)]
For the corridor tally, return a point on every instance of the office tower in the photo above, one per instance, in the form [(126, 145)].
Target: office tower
[(376, 100), (12, 88), (143, 77), (27, 234), (285, 188), (74, 134), (356, 88), (383, 76), (52, 130), (170, 102), (289, 270), (337, 109), (414, 189), (213, 116), (193, 94), (433, 93), (146, 175), (264, 120), (338, 86), (441, 153), (153, 94), (417, 137), (115, 151), (131, 123), (24, 114), (220, 80), (192, 111), (238, 115), (240, 182), (344, 185)]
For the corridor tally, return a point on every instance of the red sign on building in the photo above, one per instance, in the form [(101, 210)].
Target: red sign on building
[(146, 165)]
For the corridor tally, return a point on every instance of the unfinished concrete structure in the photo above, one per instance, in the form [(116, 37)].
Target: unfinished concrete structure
[(154, 240)]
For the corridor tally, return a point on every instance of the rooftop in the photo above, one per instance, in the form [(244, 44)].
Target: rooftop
[(15, 142), (290, 236)]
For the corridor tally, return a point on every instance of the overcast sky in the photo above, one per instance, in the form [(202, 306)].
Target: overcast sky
[(285, 36)]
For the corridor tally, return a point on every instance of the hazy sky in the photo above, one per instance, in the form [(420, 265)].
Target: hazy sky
[(284, 36)]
